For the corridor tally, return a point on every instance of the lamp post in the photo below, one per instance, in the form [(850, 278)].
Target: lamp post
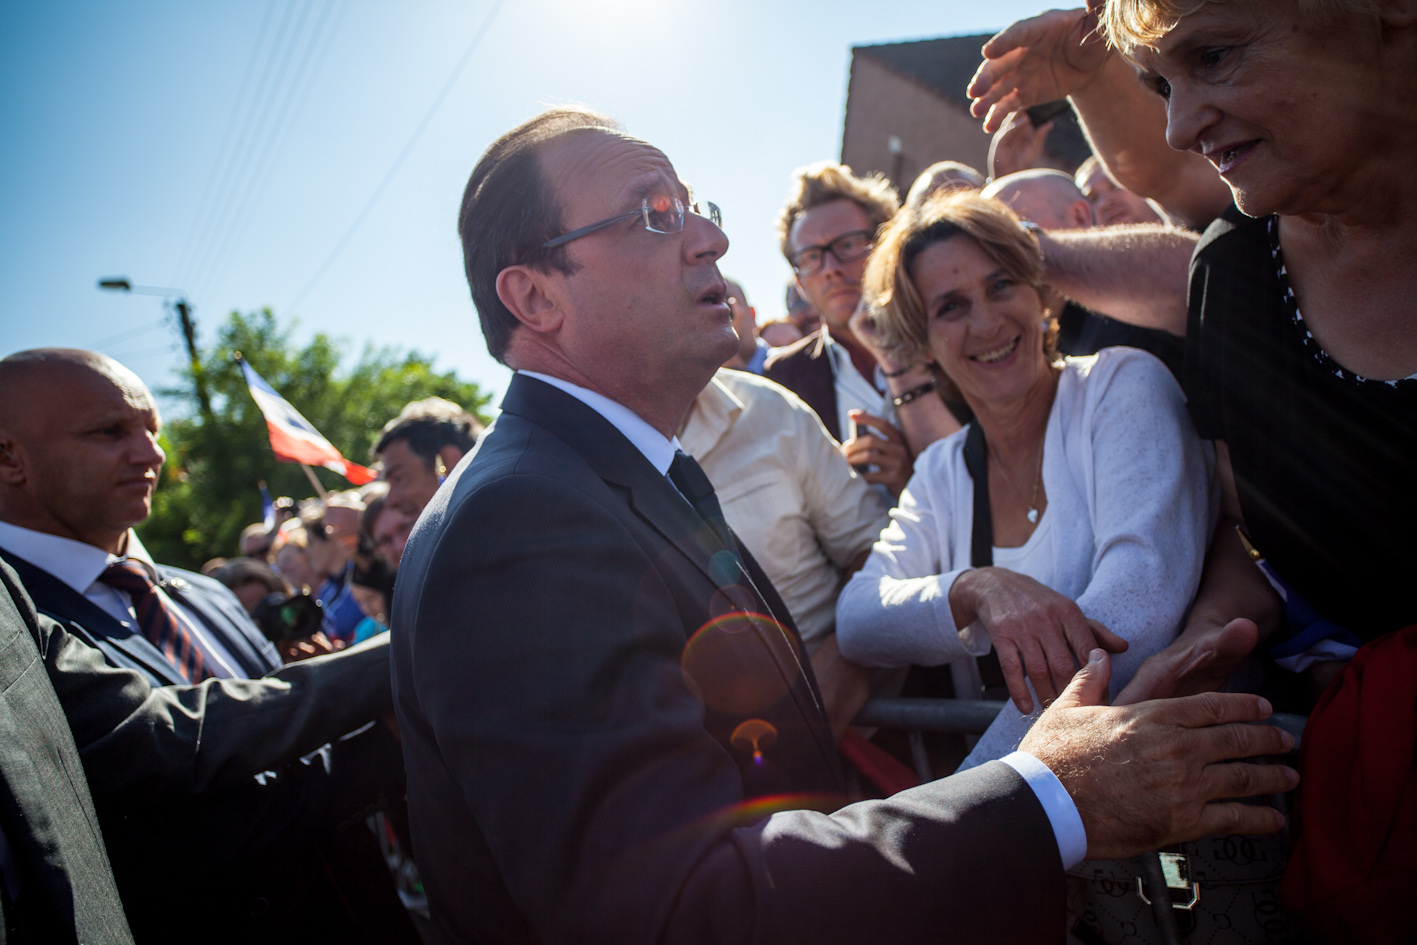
[(178, 298)]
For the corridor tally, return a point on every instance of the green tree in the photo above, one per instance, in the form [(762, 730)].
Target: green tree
[(209, 487)]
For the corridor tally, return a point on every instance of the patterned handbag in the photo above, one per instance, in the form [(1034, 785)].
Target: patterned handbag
[(1218, 890)]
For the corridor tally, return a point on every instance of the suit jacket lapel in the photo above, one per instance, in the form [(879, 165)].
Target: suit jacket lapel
[(228, 630), (655, 500), (616, 460), (124, 645)]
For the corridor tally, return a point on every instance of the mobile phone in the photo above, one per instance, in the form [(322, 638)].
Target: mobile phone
[(855, 431), (1042, 114)]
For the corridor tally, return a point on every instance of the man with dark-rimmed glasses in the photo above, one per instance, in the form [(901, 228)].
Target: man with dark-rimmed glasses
[(827, 230)]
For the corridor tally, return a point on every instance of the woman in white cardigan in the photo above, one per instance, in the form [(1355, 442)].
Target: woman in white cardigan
[(1099, 490)]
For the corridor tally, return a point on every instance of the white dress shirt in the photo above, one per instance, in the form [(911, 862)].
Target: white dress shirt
[(79, 566)]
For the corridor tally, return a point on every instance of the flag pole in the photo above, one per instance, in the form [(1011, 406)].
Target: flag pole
[(319, 489)]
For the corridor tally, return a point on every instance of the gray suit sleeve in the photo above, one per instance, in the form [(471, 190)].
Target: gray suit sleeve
[(185, 740)]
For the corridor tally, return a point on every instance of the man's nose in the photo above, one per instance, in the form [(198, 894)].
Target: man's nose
[(704, 241), (831, 262), (148, 452)]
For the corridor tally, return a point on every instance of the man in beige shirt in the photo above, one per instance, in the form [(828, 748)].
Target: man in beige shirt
[(793, 500)]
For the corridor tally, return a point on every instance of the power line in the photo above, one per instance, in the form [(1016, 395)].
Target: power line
[(128, 359), (403, 155), (125, 335), (297, 92), (240, 156), (209, 190)]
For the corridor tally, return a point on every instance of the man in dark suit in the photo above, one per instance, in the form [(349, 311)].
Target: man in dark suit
[(63, 705), (611, 730), (80, 462), (274, 858), (55, 881)]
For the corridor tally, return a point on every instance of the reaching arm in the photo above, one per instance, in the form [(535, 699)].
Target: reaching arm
[(1126, 124), (1060, 53), (140, 741), (1136, 274), (1234, 609)]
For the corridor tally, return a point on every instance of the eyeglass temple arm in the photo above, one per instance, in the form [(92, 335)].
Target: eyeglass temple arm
[(587, 230)]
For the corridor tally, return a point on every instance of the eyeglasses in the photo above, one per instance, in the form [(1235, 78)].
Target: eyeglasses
[(848, 247), (662, 214)]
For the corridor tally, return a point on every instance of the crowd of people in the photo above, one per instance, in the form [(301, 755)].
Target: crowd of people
[(1122, 442)]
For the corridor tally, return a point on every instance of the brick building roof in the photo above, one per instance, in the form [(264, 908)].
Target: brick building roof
[(943, 65)]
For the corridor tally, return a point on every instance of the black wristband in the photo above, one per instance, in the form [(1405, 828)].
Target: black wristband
[(915, 393)]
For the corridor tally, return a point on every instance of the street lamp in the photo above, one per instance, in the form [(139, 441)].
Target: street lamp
[(179, 302)]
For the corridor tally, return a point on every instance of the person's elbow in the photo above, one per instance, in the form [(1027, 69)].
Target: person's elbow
[(859, 600)]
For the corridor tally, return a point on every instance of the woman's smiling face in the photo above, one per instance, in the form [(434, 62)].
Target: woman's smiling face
[(1285, 109), (985, 328)]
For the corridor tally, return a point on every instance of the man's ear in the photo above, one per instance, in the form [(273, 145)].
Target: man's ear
[(448, 457), (531, 297), (12, 468), (1081, 213)]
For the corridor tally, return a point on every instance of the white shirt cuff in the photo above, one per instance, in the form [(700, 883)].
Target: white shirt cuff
[(1062, 812)]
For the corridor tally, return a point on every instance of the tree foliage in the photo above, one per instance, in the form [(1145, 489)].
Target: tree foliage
[(209, 487)]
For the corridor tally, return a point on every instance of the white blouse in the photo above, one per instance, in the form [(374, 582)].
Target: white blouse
[(1131, 506)]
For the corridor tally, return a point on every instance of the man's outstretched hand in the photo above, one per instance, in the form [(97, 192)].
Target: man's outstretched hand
[(1040, 59), (1160, 772)]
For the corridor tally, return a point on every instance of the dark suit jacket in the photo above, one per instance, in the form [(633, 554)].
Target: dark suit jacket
[(191, 833), (208, 600), (805, 368), (595, 734), (66, 889)]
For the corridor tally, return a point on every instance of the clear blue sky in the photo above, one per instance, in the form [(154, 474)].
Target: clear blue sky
[(124, 155)]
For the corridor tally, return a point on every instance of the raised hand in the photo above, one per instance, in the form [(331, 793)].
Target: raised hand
[(1040, 59), (1037, 632), (881, 445), (1019, 146), (863, 326), (1155, 774)]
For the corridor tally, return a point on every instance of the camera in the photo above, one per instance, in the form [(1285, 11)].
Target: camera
[(286, 617)]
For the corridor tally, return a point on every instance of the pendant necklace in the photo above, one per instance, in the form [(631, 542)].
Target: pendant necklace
[(1032, 513)]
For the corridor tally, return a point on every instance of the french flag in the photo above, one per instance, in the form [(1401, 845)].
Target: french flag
[(293, 439)]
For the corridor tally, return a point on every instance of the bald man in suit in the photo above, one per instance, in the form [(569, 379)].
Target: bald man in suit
[(275, 858)]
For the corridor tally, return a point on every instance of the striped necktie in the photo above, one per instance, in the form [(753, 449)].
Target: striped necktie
[(163, 628)]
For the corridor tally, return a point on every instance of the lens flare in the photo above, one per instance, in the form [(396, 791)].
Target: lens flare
[(753, 736), (732, 664)]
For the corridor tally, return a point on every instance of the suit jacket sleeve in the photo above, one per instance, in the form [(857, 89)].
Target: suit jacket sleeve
[(185, 740), (551, 726), (67, 891)]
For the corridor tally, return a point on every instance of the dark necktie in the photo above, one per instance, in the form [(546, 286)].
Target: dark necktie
[(688, 477), (159, 624)]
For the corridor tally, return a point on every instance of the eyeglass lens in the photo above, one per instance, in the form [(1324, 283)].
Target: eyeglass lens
[(665, 214), (848, 247)]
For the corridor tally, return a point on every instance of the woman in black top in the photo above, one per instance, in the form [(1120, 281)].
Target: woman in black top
[(1302, 331), (1301, 364)]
